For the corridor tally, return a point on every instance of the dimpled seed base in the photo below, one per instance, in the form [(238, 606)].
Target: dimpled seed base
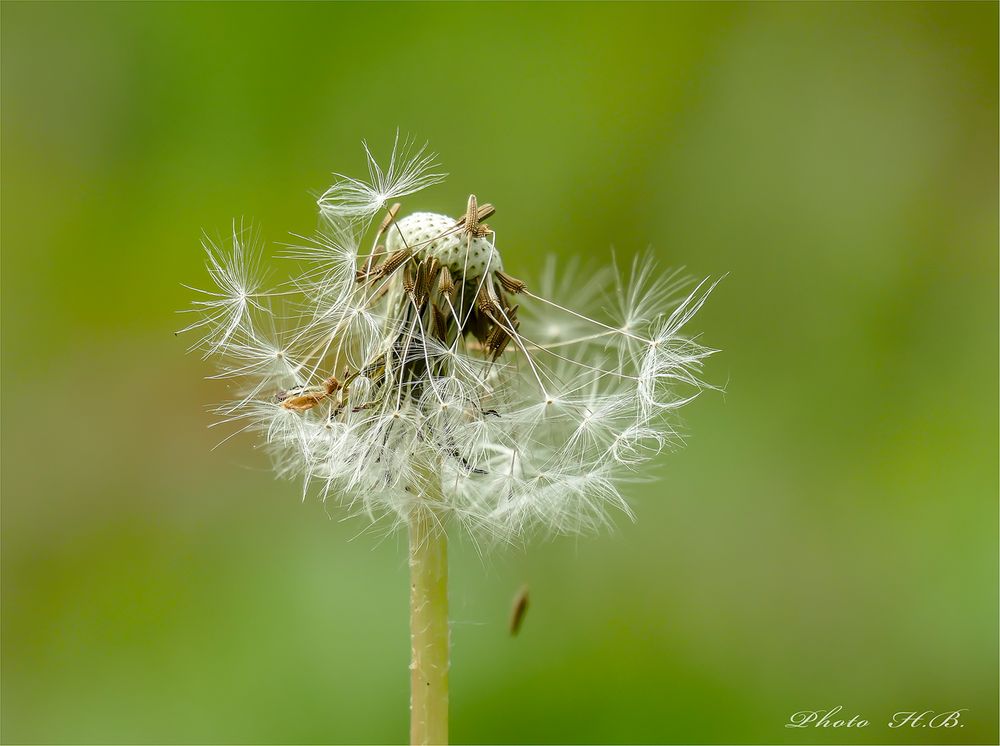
[(419, 228)]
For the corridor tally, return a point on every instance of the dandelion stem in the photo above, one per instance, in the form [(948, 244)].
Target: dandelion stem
[(429, 632)]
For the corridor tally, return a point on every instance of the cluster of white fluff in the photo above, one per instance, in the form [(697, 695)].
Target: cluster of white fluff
[(402, 367)]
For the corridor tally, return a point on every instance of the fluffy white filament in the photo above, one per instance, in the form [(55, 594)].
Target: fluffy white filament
[(401, 365)]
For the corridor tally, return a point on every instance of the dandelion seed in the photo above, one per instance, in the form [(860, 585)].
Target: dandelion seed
[(229, 309), (518, 609), (409, 170)]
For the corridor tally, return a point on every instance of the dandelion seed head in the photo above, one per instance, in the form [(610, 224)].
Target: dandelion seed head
[(400, 366)]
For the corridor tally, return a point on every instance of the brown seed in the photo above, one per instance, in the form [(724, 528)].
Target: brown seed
[(440, 323), (495, 338), (514, 326), (510, 284), (486, 299), (394, 262), (426, 273), (482, 212), (501, 347), (418, 285), (472, 213), (517, 611), (446, 285), (373, 259)]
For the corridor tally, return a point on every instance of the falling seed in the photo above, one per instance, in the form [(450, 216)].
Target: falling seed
[(517, 611)]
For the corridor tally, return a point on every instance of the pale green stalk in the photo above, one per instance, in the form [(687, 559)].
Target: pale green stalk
[(429, 632)]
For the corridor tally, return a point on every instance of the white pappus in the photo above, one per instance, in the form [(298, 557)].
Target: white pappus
[(401, 366)]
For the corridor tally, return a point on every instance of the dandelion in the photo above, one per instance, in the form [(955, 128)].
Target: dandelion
[(405, 371)]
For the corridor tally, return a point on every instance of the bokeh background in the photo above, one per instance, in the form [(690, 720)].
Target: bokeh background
[(827, 537)]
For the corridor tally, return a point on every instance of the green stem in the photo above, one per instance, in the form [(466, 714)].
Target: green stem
[(429, 632)]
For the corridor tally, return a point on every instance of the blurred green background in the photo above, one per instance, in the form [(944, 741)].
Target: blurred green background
[(829, 535)]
